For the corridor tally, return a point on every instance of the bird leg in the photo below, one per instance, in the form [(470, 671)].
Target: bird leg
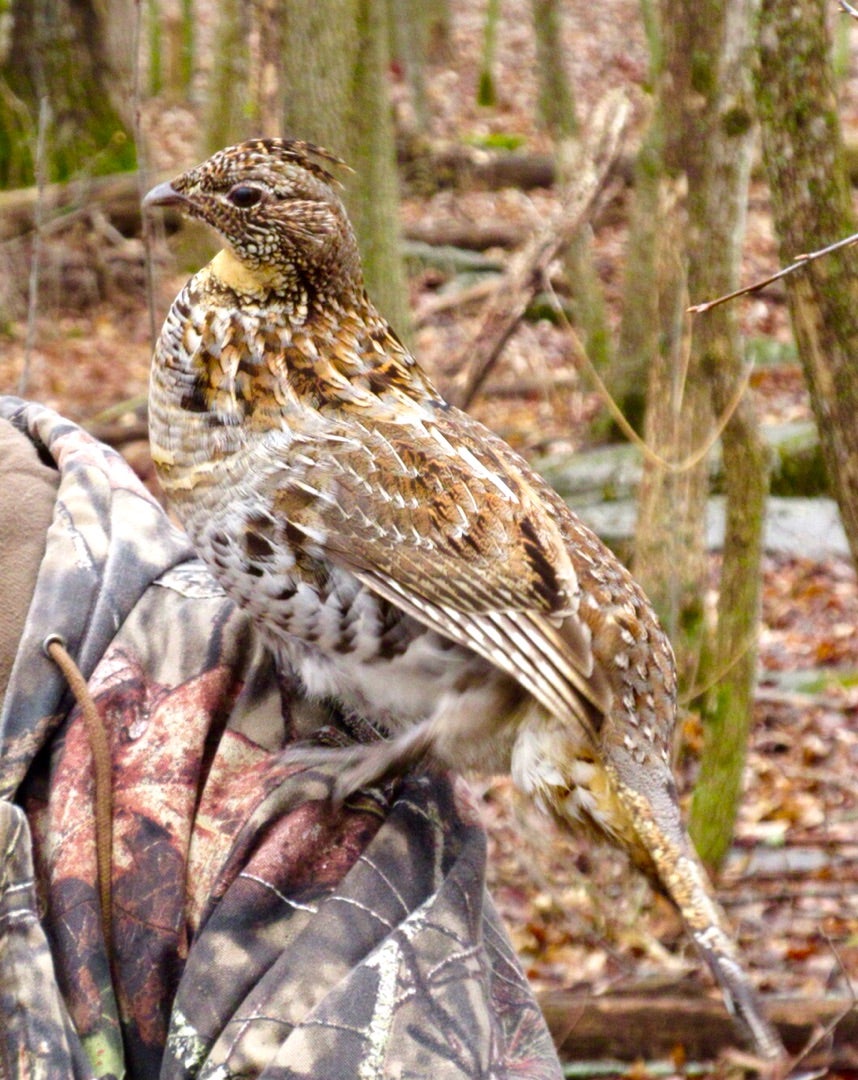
[(681, 876)]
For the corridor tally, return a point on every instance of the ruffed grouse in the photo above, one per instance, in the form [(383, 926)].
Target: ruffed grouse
[(397, 555)]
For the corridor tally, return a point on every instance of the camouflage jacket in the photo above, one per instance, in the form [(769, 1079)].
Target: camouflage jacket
[(255, 933)]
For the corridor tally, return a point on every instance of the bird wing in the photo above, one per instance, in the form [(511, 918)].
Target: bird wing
[(450, 530)]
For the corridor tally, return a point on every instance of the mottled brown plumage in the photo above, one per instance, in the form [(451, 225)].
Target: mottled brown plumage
[(398, 556)]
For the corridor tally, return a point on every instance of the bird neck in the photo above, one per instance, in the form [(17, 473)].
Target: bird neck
[(334, 345), (232, 273), (289, 285)]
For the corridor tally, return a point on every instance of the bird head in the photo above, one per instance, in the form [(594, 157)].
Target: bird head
[(276, 208)]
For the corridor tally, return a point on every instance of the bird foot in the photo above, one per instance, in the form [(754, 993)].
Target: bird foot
[(365, 765), (741, 997)]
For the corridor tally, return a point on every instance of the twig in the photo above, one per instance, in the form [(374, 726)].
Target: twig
[(524, 276), (692, 459), (35, 260), (800, 261), (698, 689), (480, 290), (848, 9), (820, 1034)]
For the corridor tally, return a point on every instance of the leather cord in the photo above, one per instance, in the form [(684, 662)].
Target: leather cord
[(55, 648)]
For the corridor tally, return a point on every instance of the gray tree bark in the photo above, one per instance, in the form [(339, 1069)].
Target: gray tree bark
[(335, 94), (720, 215), (70, 54), (691, 222), (812, 204), (228, 97)]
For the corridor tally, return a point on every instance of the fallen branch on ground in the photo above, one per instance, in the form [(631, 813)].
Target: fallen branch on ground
[(525, 276), (651, 1026)]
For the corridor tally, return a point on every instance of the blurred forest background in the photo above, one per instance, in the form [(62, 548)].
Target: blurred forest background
[(541, 189)]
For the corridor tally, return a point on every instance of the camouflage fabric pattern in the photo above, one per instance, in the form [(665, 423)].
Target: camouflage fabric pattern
[(255, 932)]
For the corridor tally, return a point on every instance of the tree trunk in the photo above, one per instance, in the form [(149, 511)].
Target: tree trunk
[(336, 94), (811, 200), (638, 341), (155, 48), (411, 28), (705, 142), (267, 89), (486, 91), (556, 109), (179, 57), (556, 102), (227, 98), (70, 54), (727, 709), (670, 553)]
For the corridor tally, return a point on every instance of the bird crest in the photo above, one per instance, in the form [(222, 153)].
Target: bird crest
[(267, 152)]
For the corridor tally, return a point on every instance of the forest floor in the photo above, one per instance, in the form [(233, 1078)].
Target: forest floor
[(579, 917)]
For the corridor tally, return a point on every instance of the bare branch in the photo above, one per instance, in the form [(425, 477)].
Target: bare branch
[(515, 287), (822, 1033), (849, 9), (800, 261)]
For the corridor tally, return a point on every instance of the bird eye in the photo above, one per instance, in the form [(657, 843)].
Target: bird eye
[(243, 196)]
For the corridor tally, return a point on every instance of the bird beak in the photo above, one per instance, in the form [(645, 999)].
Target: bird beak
[(163, 195)]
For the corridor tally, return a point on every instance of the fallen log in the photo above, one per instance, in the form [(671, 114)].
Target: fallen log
[(614, 471), (117, 196), (434, 166), (470, 235), (639, 1026)]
